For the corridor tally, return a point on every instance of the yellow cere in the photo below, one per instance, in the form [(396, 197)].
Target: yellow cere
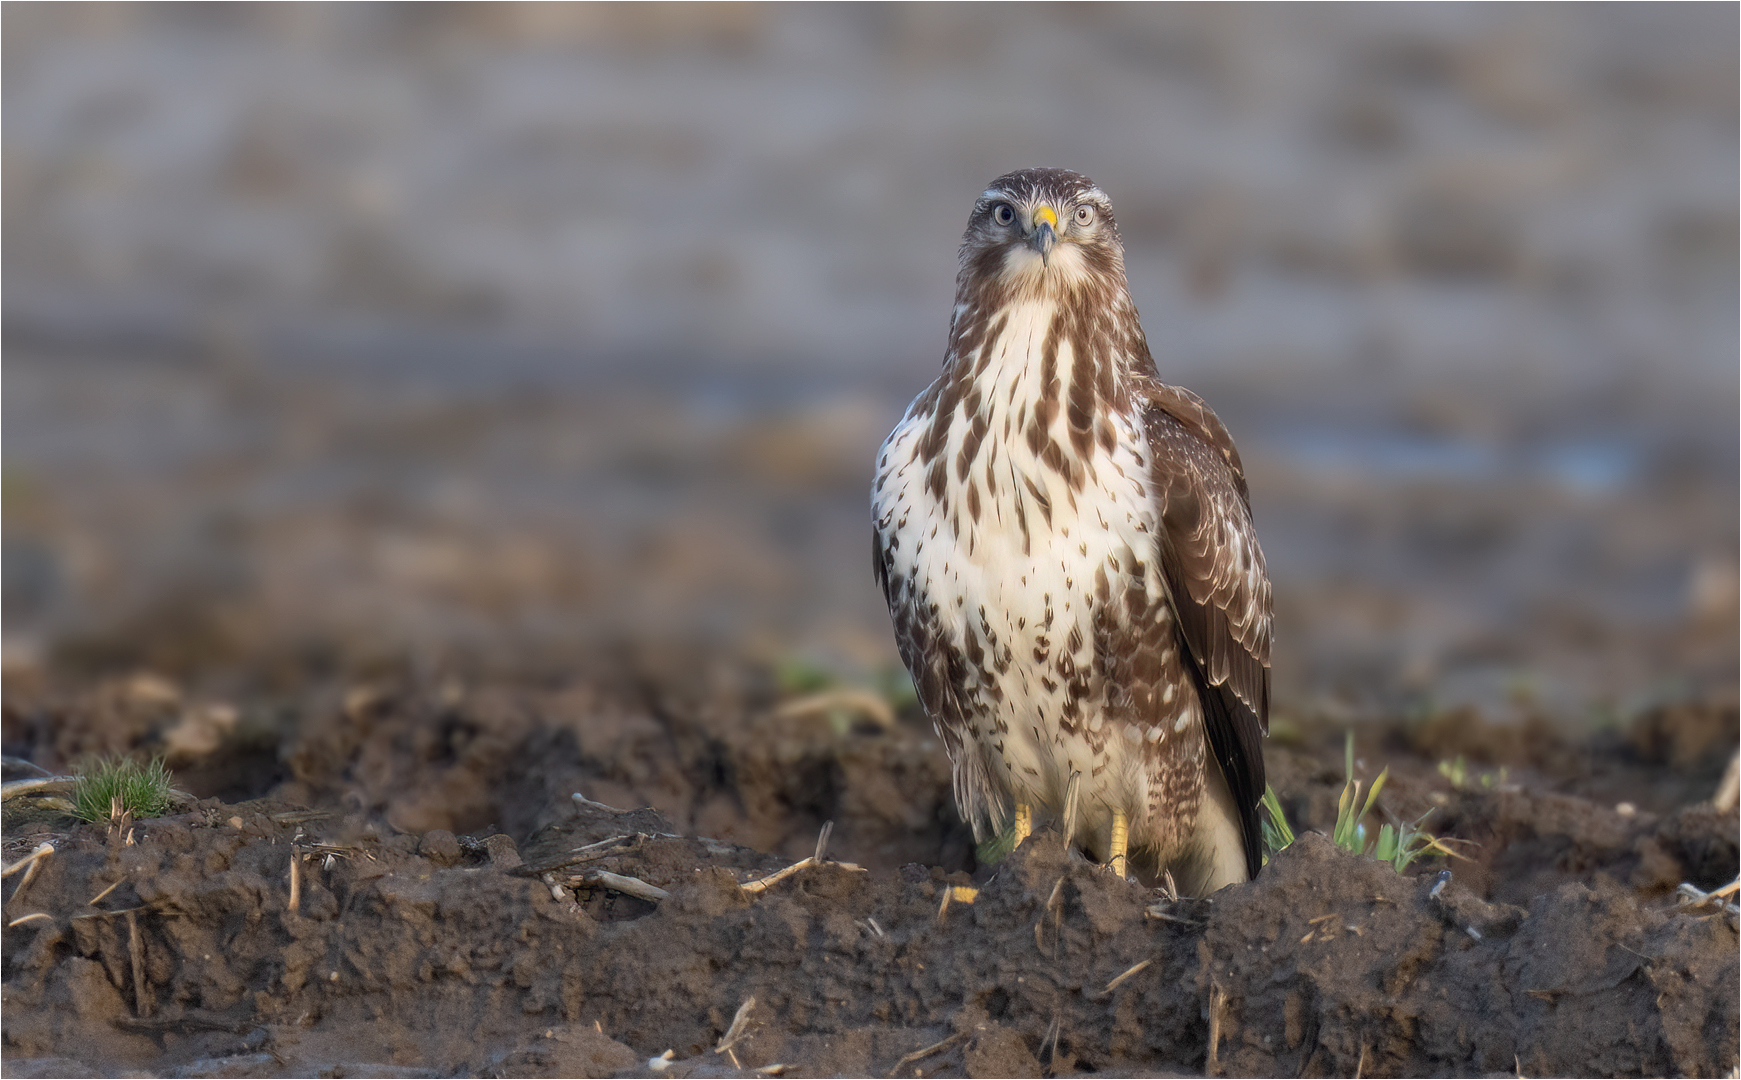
[(1045, 215)]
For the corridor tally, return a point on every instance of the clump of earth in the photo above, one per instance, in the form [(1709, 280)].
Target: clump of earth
[(403, 873)]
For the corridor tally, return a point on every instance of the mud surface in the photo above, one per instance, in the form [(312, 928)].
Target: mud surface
[(452, 909), (417, 415)]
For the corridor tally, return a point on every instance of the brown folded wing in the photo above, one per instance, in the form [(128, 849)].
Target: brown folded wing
[(1219, 588)]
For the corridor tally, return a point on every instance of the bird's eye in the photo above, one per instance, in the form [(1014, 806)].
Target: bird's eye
[(1003, 213), (1085, 215)]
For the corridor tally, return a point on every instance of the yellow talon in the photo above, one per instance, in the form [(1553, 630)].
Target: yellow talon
[(1120, 843), (1024, 826)]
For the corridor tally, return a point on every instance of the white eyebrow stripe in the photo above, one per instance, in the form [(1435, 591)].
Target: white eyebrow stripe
[(1091, 194)]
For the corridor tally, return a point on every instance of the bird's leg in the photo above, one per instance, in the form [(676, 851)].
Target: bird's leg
[(1120, 843), (1024, 824)]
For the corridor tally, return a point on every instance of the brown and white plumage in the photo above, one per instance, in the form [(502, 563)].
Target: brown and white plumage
[(1066, 546)]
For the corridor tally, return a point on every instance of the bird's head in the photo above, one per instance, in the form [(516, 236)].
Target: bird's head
[(1041, 232)]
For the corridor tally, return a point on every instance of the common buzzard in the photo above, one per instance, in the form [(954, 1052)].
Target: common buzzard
[(1066, 546)]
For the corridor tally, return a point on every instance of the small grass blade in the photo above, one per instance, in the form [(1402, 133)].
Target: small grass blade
[(1277, 833), (1276, 824), (1372, 796), (1346, 821)]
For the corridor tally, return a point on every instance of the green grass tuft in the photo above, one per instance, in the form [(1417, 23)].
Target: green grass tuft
[(1277, 833), (1398, 845), (144, 790), (797, 675), (1458, 773), (997, 849)]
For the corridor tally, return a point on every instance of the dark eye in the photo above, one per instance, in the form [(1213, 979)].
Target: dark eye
[(1003, 213), (1085, 214)]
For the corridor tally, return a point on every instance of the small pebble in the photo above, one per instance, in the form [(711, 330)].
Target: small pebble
[(503, 854), (440, 847)]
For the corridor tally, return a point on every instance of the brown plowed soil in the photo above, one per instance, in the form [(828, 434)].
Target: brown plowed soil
[(454, 913), (375, 373)]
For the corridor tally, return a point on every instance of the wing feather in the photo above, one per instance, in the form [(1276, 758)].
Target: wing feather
[(1219, 587)]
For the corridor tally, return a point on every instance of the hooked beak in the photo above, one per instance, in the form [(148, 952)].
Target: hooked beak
[(1043, 236)]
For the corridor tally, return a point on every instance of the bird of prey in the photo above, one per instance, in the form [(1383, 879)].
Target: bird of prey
[(1066, 546)]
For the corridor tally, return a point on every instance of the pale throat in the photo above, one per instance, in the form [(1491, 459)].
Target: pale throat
[(1015, 376), (1025, 274), (1015, 389), (1011, 372)]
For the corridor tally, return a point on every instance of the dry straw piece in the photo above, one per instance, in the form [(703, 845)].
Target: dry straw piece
[(761, 884), (29, 864), (736, 1032), (295, 878), (1128, 972)]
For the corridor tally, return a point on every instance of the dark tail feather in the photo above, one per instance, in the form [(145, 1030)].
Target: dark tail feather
[(1236, 741)]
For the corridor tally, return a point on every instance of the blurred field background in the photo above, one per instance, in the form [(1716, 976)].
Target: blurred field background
[(478, 334)]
